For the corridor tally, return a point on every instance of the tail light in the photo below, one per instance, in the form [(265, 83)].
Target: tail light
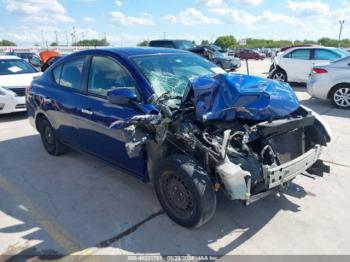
[(316, 70)]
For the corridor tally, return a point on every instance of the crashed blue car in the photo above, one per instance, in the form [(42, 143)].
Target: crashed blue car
[(174, 119)]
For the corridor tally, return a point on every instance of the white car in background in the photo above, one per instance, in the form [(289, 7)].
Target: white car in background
[(331, 81), (15, 76), (295, 64)]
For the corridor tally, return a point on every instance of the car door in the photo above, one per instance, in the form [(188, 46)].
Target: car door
[(297, 64), (61, 100), (97, 114)]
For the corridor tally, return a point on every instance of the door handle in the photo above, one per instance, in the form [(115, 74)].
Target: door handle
[(87, 111)]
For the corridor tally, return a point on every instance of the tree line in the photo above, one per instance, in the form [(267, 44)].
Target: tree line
[(86, 42), (230, 41), (227, 41), (7, 43)]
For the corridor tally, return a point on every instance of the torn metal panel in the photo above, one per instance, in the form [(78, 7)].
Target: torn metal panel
[(234, 180)]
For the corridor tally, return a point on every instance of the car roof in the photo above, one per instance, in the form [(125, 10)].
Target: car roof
[(310, 47), (9, 57), (133, 51)]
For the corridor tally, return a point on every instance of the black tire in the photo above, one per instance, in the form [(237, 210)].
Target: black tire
[(280, 75), (340, 96), (185, 191), (48, 137)]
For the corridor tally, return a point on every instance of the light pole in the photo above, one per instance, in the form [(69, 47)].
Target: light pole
[(341, 22)]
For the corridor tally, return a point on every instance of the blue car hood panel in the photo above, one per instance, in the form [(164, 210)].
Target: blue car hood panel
[(226, 97)]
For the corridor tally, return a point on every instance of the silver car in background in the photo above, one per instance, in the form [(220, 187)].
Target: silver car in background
[(331, 81)]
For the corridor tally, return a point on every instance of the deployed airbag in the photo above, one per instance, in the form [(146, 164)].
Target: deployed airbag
[(226, 97)]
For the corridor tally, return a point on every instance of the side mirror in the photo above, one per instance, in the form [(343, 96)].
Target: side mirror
[(35, 61), (122, 96)]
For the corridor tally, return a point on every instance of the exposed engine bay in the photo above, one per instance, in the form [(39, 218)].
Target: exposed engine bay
[(249, 134)]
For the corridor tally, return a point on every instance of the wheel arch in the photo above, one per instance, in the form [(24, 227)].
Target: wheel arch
[(336, 86), (194, 171), (278, 67), (39, 116)]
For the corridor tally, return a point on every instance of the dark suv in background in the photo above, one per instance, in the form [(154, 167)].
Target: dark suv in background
[(177, 44), (209, 52)]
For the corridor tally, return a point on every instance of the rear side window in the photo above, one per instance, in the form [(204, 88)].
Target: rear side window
[(57, 74), (303, 54), (72, 73), (322, 54)]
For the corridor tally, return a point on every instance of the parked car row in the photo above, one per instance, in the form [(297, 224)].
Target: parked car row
[(40, 61), (16, 74), (324, 69)]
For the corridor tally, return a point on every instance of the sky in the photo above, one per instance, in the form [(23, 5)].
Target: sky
[(127, 22)]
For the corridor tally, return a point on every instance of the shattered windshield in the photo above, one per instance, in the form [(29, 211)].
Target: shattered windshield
[(171, 72)]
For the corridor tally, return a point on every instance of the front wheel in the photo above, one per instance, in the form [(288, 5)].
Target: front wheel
[(185, 191), (279, 75), (341, 96)]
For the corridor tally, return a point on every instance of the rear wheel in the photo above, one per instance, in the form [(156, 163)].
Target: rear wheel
[(279, 75), (340, 96), (48, 137), (185, 191)]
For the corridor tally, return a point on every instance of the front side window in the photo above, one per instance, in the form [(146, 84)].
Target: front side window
[(15, 67), (322, 54), (72, 73), (302, 54), (106, 75)]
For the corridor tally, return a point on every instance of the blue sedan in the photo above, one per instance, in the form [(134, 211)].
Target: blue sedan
[(175, 119)]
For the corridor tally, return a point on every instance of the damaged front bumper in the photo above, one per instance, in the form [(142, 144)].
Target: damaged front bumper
[(275, 177), (279, 175)]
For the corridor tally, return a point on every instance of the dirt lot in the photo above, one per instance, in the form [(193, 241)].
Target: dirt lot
[(76, 204)]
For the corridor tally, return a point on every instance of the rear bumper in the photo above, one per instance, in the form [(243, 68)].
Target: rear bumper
[(318, 88)]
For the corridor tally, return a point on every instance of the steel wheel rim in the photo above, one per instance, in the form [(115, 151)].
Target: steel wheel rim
[(177, 195), (341, 97), (48, 135), (279, 77)]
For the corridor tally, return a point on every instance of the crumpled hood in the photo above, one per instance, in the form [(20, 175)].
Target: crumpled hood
[(226, 97)]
